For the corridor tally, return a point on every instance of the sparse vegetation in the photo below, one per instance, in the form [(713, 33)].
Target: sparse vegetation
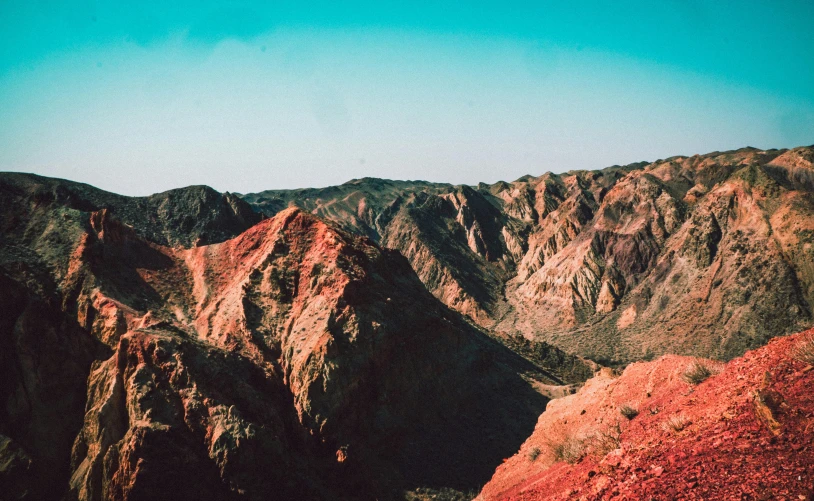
[(534, 453), (570, 448), (567, 447), (606, 440), (675, 423), (442, 494), (698, 372), (804, 349), (629, 411)]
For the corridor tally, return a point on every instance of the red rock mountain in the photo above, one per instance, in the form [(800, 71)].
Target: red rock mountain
[(399, 340), (293, 361), (702, 255)]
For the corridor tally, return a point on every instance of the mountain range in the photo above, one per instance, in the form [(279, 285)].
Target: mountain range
[(705, 255), (395, 339)]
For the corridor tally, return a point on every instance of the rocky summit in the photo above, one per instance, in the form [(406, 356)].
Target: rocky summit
[(403, 340)]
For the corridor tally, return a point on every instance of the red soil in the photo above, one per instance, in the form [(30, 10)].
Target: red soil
[(726, 451)]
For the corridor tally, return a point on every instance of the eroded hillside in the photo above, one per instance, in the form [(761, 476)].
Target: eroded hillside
[(703, 255)]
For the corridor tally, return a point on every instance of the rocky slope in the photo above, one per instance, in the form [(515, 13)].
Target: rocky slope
[(294, 361), (703, 255), (745, 433), (432, 225)]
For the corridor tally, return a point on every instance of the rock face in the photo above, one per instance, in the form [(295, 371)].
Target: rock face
[(742, 433), (45, 357), (439, 228), (703, 255), (294, 361)]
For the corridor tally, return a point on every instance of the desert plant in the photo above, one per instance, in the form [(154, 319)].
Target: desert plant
[(442, 494), (604, 441), (534, 453), (629, 411), (567, 447), (675, 423), (804, 349), (698, 372)]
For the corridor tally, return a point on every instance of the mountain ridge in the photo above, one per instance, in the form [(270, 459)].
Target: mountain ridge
[(584, 251)]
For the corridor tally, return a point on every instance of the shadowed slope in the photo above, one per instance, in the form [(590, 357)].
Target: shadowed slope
[(195, 215)]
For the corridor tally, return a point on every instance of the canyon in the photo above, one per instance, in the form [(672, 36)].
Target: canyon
[(403, 339)]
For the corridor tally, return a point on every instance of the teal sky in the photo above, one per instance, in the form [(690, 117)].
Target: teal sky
[(140, 97)]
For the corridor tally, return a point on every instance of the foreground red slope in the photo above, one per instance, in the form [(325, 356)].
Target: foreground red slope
[(729, 446)]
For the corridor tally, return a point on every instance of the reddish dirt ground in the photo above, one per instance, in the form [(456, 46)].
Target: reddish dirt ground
[(725, 451)]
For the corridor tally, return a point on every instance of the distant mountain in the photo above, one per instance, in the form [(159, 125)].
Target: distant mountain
[(703, 255), (196, 215)]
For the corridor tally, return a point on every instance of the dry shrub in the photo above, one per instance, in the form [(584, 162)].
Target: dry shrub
[(804, 349), (534, 453), (442, 494), (675, 423), (565, 446), (570, 448), (629, 411), (604, 441), (699, 371)]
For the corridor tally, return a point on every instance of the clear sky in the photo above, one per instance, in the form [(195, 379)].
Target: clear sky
[(140, 97)]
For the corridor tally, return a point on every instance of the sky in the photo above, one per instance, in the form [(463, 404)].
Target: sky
[(141, 97)]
